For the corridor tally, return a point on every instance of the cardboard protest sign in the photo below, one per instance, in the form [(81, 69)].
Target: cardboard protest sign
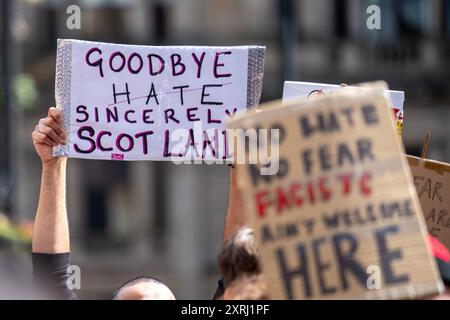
[(127, 102), (311, 90), (340, 219), (432, 181)]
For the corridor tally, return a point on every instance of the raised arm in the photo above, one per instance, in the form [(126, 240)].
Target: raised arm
[(236, 217), (234, 220), (51, 228), (51, 241)]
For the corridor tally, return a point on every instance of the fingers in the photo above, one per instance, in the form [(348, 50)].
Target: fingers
[(42, 138), (57, 115), (45, 127), (50, 122), (49, 130)]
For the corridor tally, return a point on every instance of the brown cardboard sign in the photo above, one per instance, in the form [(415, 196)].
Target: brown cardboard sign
[(432, 181), (340, 219)]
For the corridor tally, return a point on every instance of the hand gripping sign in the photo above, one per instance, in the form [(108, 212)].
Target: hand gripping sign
[(340, 219), (127, 102)]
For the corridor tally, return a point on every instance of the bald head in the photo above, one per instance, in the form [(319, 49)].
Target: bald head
[(143, 288)]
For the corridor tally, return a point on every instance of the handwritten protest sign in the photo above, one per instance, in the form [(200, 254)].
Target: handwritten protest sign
[(127, 102), (432, 181), (340, 219), (311, 90)]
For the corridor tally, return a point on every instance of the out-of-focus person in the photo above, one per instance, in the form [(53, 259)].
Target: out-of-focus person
[(51, 239), (247, 288), (239, 258)]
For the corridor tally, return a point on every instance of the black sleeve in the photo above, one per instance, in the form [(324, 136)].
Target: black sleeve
[(50, 276), (220, 290)]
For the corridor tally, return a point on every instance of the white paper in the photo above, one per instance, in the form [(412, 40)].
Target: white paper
[(143, 120), (294, 89)]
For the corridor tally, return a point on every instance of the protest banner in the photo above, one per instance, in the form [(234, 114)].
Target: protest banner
[(432, 181), (311, 90), (129, 102), (340, 219)]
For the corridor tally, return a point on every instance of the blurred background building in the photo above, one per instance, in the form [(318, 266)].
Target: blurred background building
[(166, 220)]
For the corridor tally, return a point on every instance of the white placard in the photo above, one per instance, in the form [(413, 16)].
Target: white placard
[(127, 102), (295, 89), (309, 90)]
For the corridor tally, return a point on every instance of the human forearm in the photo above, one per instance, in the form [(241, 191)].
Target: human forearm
[(51, 229), (236, 217)]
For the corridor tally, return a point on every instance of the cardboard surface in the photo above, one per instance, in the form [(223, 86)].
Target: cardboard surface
[(432, 181), (341, 218)]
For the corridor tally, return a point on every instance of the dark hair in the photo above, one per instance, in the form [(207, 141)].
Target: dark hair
[(134, 281), (239, 256), (247, 287), (315, 91)]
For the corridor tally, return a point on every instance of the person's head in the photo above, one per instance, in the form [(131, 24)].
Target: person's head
[(315, 94), (247, 288), (442, 256), (239, 256), (143, 288)]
